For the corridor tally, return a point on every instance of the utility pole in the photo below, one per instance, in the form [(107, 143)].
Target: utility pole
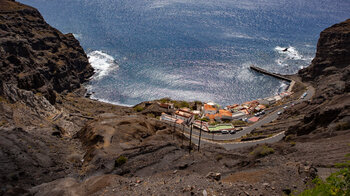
[(183, 134), (174, 127), (212, 135), (200, 134), (189, 147)]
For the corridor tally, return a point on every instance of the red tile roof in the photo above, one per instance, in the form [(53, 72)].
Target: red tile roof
[(254, 119), (209, 107)]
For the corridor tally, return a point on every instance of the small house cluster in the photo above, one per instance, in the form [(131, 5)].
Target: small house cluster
[(216, 114)]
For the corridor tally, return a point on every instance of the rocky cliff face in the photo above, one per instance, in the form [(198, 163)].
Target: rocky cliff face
[(36, 57), (329, 73), (84, 147), (332, 56)]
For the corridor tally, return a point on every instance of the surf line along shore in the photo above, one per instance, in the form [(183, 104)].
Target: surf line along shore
[(275, 75)]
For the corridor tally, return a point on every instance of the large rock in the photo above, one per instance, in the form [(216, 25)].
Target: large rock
[(329, 73), (333, 53), (36, 57)]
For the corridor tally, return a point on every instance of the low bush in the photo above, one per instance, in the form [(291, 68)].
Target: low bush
[(204, 119), (262, 151), (3, 100), (342, 126), (218, 157), (151, 115), (139, 108), (239, 123), (121, 160), (165, 100), (181, 104), (338, 183)]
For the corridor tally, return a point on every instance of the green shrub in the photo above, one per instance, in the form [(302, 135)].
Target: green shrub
[(204, 119), (120, 161), (2, 99), (239, 123), (226, 121), (164, 100), (214, 123), (218, 157), (139, 108), (262, 151), (288, 138), (3, 122), (342, 126), (181, 104), (337, 183), (198, 102), (150, 115)]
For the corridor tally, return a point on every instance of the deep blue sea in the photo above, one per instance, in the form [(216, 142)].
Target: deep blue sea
[(192, 49)]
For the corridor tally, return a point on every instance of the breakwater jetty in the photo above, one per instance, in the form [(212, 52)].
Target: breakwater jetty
[(278, 76)]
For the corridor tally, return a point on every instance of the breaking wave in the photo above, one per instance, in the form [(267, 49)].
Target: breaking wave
[(102, 63), (291, 58)]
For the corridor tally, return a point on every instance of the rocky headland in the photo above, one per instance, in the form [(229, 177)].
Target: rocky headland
[(54, 141)]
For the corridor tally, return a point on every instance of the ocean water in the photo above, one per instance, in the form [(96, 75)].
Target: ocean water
[(192, 50)]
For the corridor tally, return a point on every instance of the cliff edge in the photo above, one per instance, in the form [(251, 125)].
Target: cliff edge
[(329, 72), (71, 145), (36, 57)]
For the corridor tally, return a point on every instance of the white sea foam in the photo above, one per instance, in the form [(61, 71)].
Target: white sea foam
[(165, 3), (102, 63), (244, 73), (289, 56), (289, 52), (237, 35), (283, 86), (111, 102), (77, 35)]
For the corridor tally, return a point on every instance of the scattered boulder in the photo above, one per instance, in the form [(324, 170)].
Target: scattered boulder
[(214, 176)]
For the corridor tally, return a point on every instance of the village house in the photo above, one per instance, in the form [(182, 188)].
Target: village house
[(168, 118), (285, 94), (253, 119), (184, 114), (222, 115), (259, 108), (271, 100), (225, 115), (201, 124), (277, 98), (238, 115), (209, 109), (166, 105)]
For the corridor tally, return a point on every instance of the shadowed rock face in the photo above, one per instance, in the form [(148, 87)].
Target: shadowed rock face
[(34, 56), (333, 53), (329, 73), (39, 156)]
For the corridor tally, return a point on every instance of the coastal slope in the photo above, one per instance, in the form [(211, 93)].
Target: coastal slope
[(329, 73), (35, 56), (54, 141)]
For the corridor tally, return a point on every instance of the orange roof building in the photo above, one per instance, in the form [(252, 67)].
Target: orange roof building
[(209, 109), (222, 115), (225, 113), (211, 116), (253, 119)]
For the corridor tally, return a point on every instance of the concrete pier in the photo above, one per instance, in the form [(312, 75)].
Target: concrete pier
[(263, 71), (278, 76)]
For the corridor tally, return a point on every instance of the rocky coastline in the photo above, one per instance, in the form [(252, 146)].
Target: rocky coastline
[(54, 141)]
